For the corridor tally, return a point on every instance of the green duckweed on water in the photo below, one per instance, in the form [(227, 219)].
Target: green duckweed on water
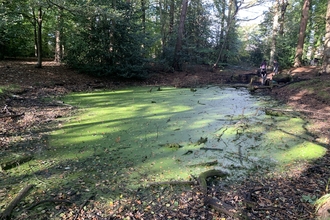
[(122, 140)]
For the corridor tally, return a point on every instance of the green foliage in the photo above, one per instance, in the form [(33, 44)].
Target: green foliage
[(308, 198), (108, 44), (123, 39)]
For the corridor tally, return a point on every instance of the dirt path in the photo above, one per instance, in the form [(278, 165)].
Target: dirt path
[(256, 198)]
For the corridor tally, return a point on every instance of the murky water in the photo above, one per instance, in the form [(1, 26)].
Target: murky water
[(146, 136)]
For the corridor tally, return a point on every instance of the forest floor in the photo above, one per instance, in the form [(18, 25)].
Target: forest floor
[(278, 197)]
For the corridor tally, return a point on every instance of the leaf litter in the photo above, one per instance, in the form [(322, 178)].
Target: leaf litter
[(258, 197)]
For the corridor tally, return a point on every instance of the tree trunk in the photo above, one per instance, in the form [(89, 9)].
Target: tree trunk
[(143, 9), (233, 8), (275, 32), (171, 17), (326, 56), (34, 23), (39, 40), (178, 47), (301, 38), (284, 5), (58, 36), (162, 22)]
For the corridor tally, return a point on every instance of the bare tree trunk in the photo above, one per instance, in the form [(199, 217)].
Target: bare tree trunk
[(58, 36), (233, 6), (178, 47), (57, 57), (143, 9), (171, 17), (275, 32), (162, 22), (301, 39), (284, 5), (326, 53), (34, 23), (39, 39)]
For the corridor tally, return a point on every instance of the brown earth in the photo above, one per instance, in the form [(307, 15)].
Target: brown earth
[(278, 197)]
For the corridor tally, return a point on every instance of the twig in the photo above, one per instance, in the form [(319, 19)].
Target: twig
[(35, 174)]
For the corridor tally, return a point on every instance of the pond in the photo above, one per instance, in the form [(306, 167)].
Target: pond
[(140, 135)]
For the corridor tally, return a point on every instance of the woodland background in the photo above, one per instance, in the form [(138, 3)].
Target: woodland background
[(132, 37), (177, 40)]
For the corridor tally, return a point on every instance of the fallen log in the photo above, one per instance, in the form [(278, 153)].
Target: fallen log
[(7, 213), (15, 162), (282, 78), (281, 112), (250, 87)]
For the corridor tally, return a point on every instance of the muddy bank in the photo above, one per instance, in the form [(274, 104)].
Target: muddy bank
[(257, 197)]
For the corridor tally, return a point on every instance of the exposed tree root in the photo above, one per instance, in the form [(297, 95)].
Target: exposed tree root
[(210, 173), (218, 206), (210, 201)]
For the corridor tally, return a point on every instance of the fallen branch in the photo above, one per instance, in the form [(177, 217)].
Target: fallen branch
[(15, 162), (210, 163), (11, 116), (83, 205), (49, 200), (211, 148), (7, 213), (280, 112), (171, 183), (296, 111), (188, 152)]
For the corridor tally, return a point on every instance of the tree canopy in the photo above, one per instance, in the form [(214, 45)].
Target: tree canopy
[(128, 38)]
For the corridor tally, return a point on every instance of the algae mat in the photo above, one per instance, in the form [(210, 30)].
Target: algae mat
[(121, 140), (149, 134)]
